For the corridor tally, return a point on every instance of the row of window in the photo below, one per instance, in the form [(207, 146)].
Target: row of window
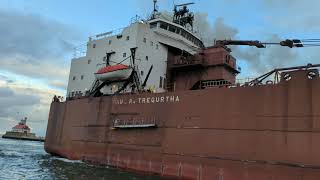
[(77, 93), (177, 30), (151, 43), (81, 77), (110, 41)]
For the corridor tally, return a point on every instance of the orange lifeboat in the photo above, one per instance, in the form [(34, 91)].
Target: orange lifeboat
[(114, 73)]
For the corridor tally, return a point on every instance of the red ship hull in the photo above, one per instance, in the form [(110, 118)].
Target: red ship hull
[(264, 132)]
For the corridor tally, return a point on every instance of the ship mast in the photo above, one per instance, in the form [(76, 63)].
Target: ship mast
[(155, 10)]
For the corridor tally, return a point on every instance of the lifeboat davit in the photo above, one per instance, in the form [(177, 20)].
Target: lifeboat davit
[(114, 73)]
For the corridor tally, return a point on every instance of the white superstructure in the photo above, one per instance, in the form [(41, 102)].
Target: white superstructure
[(152, 39)]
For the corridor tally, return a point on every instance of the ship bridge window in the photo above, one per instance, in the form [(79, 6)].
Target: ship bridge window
[(194, 40), (124, 54), (128, 38), (183, 33), (82, 76), (163, 25), (94, 46), (89, 61), (153, 25), (178, 30), (73, 78), (160, 82), (110, 41), (188, 37), (119, 36), (172, 28), (144, 40)]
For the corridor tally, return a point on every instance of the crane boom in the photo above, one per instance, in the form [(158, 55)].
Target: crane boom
[(288, 43)]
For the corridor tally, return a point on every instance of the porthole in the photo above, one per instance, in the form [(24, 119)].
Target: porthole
[(287, 77), (311, 75), (269, 82)]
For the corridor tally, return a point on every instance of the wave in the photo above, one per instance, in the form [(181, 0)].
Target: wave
[(10, 154), (67, 160)]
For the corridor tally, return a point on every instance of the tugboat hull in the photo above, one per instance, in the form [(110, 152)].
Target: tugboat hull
[(21, 136)]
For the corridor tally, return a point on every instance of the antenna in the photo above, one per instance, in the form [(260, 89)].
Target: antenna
[(183, 16), (155, 10)]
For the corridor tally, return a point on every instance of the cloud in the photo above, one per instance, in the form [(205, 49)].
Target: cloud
[(36, 49), (210, 31), (5, 92), (259, 60), (263, 60), (14, 102), (30, 67), (58, 84), (18, 100), (5, 79), (33, 35), (35, 46)]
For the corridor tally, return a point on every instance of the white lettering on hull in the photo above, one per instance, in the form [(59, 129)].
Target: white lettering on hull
[(147, 100)]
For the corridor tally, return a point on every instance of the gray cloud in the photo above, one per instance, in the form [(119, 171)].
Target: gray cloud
[(58, 84), (35, 46), (211, 31), (5, 92), (33, 36), (6, 79), (260, 60), (263, 60), (17, 102), (38, 48), (12, 102)]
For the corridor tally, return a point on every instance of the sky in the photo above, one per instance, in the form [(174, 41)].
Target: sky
[(38, 37)]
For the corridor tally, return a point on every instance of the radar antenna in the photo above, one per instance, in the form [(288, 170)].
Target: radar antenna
[(182, 16)]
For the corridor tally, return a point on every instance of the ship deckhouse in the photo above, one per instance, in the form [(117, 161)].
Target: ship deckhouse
[(22, 127), (153, 41)]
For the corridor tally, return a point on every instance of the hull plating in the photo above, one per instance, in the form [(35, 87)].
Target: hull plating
[(262, 132)]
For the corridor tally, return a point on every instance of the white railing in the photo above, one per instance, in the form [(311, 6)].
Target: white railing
[(80, 51), (226, 83), (243, 81), (106, 34)]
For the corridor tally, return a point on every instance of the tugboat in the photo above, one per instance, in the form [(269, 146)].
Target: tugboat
[(22, 131)]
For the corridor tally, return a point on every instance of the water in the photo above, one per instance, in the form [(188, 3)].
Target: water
[(28, 160)]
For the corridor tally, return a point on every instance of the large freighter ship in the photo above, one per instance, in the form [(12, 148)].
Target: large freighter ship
[(151, 98)]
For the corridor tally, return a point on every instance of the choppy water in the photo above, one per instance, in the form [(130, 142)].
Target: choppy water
[(28, 160)]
